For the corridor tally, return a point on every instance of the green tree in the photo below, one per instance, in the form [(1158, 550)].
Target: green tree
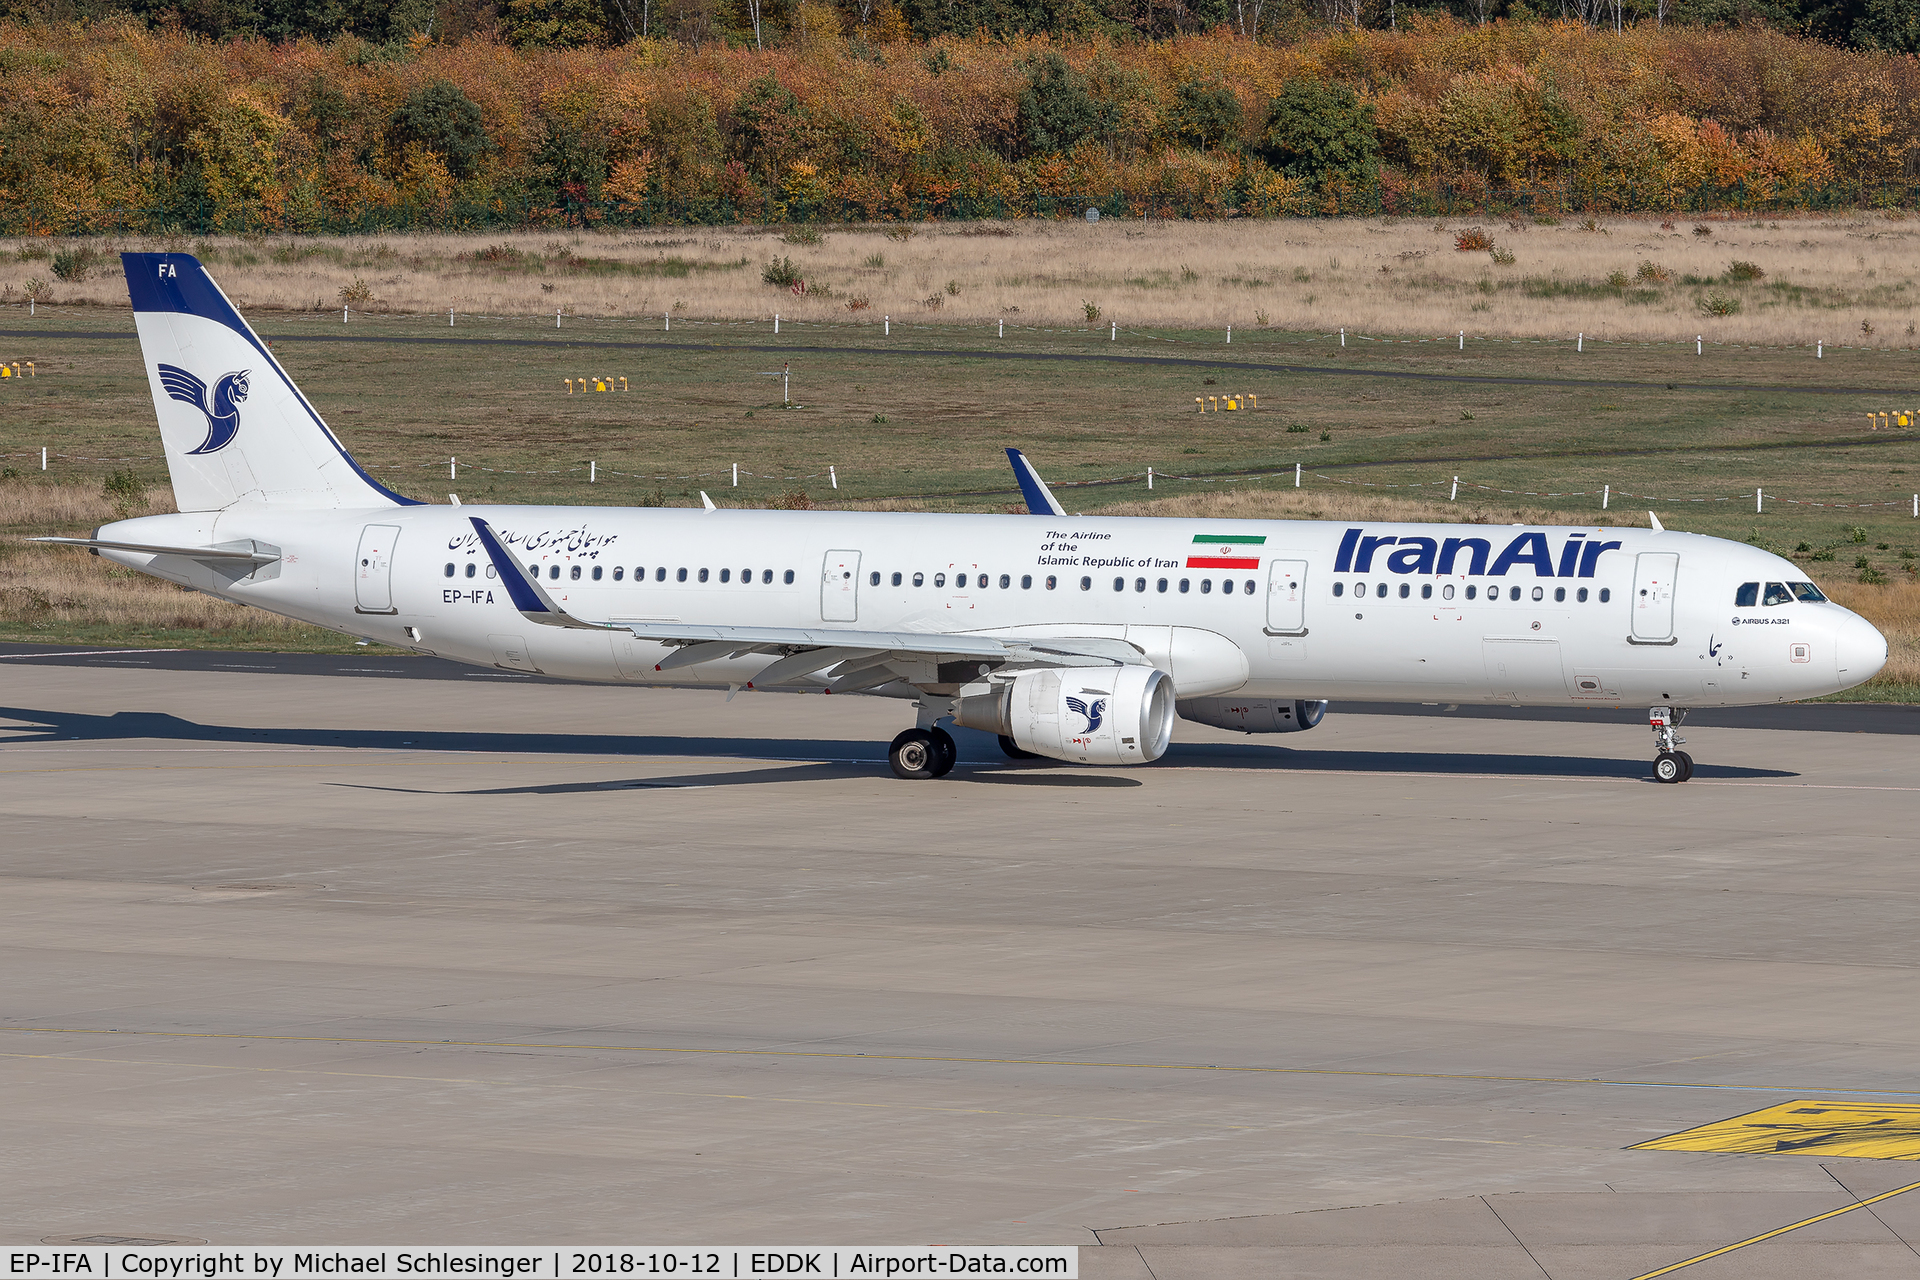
[(440, 118), (1205, 115), (1319, 131), (1056, 110), (1889, 24), (557, 24)]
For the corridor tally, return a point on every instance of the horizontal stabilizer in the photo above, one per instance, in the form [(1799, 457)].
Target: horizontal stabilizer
[(249, 553)]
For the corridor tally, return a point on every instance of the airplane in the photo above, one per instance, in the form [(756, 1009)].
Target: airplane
[(1073, 638)]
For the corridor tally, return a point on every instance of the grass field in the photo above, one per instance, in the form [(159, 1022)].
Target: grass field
[(917, 419), (1779, 280)]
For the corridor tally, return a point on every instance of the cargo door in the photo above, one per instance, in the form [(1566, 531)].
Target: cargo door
[(1653, 575), (373, 569), (1287, 598), (840, 587), (1525, 670)]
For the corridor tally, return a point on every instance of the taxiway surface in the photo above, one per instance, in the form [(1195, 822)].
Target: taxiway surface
[(321, 959)]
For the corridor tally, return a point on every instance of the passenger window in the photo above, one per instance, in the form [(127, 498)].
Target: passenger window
[(680, 575), (473, 568), (597, 571), (1471, 590), (896, 579), (1139, 584), (660, 574), (1539, 593), (1006, 580), (1513, 593), (1359, 590), (1119, 584), (1405, 591), (1805, 591), (1026, 582), (939, 579), (1559, 595), (553, 571), (449, 568), (982, 582), (1746, 595), (766, 577), (574, 573), (919, 579), (1086, 584), (1052, 582), (788, 577), (1248, 589), (1426, 591), (873, 579), (1446, 592), (703, 575), (1185, 583), (726, 575), (1339, 588), (619, 572), (1206, 586), (1161, 586), (1581, 595), (1777, 593), (1606, 594), (746, 577)]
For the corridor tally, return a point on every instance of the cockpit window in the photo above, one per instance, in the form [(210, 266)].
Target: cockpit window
[(1805, 591), (1747, 596), (1777, 593)]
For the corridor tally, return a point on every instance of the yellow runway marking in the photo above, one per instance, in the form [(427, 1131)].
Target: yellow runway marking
[(1865, 1130), (1780, 1231), (908, 1057)]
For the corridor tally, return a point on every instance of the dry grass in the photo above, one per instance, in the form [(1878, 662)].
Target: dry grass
[(1895, 609), (70, 510), (1824, 277)]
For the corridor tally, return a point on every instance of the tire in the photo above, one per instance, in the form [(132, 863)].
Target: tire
[(1686, 762), (912, 755), (946, 752), (1667, 767), (1013, 751)]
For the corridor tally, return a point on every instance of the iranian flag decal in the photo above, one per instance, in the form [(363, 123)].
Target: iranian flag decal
[(1228, 551)]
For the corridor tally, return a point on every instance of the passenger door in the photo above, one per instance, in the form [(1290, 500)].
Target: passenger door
[(1287, 598), (840, 587), (373, 569), (1653, 576)]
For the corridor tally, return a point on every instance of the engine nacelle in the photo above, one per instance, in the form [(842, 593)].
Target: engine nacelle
[(1083, 715), (1254, 715)]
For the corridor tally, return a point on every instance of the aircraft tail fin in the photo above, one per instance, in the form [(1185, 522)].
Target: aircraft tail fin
[(234, 426)]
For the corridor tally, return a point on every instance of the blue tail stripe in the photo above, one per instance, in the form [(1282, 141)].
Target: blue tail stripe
[(177, 282)]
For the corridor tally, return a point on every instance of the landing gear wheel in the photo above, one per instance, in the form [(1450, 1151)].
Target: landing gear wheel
[(1013, 751), (1670, 766), (912, 755), (1686, 760), (946, 752)]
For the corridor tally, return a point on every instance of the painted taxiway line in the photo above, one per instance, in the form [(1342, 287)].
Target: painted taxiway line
[(523, 1045)]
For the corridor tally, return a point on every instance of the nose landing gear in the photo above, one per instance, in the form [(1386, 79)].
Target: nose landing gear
[(1670, 764)]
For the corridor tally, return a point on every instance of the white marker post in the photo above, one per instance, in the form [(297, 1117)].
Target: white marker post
[(886, 326), (1114, 336), (1296, 475), (593, 472), (736, 475), (1229, 335), (449, 317), (1463, 339), (556, 317), (1454, 496), (1819, 349), (833, 478), (1580, 343), (776, 322), (1343, 337), (1003, 328), (1758, 498), (1149, 478), (343, 315), (453, 468), (1699, 344), (667, 320), (43, 457), (1606, 494)]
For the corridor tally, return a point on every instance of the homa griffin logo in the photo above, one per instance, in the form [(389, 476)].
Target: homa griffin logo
[(222, 410), (1579, 555), (1094, 714)]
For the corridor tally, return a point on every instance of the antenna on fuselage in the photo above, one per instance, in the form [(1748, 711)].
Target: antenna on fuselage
[(1657, 526)]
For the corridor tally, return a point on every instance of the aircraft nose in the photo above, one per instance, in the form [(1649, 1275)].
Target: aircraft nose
[(1859, 650)]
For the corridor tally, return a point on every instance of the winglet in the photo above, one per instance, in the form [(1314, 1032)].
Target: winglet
[(707, 502), (1040, 499), (1657, 526), (534, 604)]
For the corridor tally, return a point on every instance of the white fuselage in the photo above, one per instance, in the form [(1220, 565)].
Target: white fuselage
[(1526, 615)]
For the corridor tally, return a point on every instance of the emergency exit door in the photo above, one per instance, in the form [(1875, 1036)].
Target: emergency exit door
[(373, 569), (840, 587), (1653, 575), (1287, 598)]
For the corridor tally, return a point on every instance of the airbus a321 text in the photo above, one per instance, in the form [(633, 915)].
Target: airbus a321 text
[(1079, 639)]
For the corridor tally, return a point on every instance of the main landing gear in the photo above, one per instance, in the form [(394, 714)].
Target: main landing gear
[(923, 753), (1670, 765)]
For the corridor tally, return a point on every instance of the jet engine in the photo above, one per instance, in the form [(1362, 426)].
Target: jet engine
[(1083, 715), (1254, 715)]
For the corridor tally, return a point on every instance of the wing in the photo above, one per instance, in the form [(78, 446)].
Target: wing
[(183, 386), (863, 658)]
